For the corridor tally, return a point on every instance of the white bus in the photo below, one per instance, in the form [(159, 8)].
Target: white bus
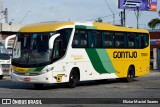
[(69, 52), (5, 61)]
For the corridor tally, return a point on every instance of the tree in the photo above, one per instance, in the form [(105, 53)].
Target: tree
[(154, 22), (99, 20)]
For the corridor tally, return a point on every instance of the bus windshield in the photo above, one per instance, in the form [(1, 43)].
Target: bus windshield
[(32, 48), (3, 52)]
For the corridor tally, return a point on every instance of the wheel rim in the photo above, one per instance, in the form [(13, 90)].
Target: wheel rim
[(130, 75), (73, 79)]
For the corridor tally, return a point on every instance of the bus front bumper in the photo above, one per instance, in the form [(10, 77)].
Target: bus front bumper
[(42, 78)]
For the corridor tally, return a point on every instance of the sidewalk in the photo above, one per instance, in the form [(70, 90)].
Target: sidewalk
[(154, 70)]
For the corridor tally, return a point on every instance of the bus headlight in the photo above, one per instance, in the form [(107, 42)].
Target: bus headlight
[(47, 70)]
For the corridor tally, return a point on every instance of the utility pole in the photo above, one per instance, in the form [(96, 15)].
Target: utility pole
[(121, 14), (6, 15), (123, 18), (137, 16), (138, 19), (3, 13)]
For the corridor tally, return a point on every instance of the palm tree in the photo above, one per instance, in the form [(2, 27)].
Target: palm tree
[(154, 22)]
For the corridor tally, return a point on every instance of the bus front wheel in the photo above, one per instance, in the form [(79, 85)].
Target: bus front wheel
[(73, 79)]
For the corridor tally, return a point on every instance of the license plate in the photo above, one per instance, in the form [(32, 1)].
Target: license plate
[(5, 67), (26, 79)]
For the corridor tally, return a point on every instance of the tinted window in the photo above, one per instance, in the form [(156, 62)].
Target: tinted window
[(131, 43), (95, 39), (119, 40), (144, 40), (107, 39), (80, 39)]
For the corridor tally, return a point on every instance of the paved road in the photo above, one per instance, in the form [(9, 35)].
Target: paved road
[(142, 87)]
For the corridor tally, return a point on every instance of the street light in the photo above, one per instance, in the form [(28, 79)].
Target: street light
[(24, 17)]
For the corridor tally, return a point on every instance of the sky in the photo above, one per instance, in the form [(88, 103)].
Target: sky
[(33, 11)]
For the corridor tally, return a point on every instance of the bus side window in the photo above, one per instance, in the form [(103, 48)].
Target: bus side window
[(75, 40), (83, 39), (107, 40), (99, 39), (144, 40), (80, 39), (57, 50), (96, 39), (131, 40), (137, 41), (119, 40)]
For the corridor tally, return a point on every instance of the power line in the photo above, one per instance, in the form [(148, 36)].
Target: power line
[(24, 17), (109, 7), (101, 17), (115, 21), (111, 12)]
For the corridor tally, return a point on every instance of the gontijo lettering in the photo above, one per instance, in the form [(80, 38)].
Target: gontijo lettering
[(124, 54)]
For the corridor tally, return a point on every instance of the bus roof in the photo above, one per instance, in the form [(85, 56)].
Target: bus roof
[(110, 27), (52, 26), (44, 26)]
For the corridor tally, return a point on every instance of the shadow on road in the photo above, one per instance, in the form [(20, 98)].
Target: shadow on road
[(5, 83)]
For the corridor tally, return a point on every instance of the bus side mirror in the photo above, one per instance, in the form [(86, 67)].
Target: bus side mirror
[(7, 40), (51, 40)]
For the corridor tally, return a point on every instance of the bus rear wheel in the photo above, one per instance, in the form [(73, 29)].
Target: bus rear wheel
[(1, 76), (130, 75), (73, 79)]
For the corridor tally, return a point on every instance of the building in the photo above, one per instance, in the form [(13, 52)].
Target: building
[(155, 48), (7, 29)]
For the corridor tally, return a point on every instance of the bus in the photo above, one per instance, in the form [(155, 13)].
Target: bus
[(69, 52), (5, 61)]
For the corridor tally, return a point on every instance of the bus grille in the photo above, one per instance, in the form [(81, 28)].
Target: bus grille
[(27, 74)]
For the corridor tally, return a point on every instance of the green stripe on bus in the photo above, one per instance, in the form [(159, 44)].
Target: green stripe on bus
[(38, 69), (85, 27), (106, 62), (96, 61), (100, 60)]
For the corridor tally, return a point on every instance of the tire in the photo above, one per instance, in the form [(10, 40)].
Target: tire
[(1, 76), (130, 75), (73, 79), (38, 86)]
